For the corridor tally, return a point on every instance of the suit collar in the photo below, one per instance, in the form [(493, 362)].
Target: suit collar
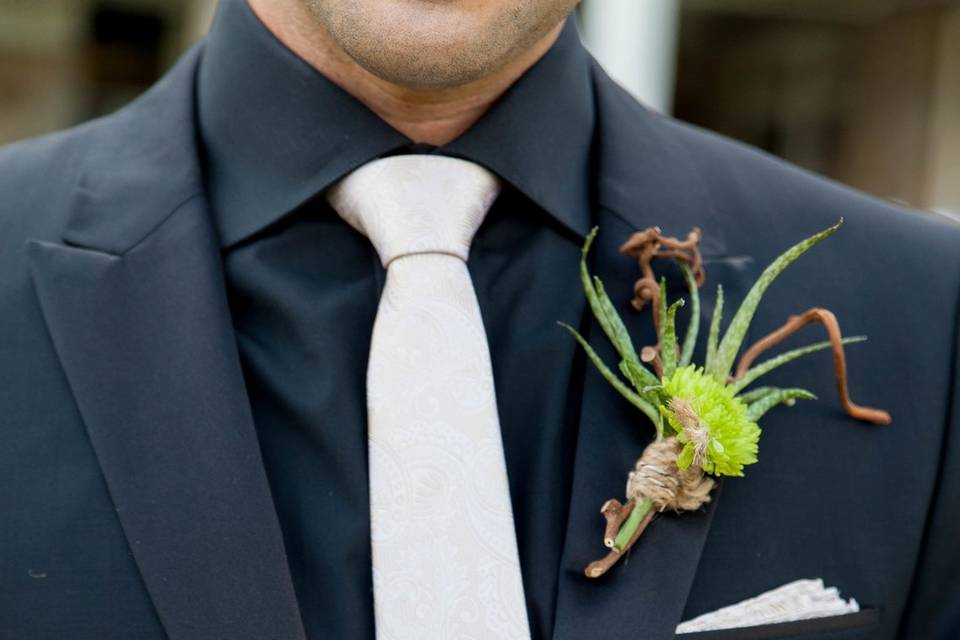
[(275, 132), (136, 307)]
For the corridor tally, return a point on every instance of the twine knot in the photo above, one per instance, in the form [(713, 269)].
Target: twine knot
[(656, 477)]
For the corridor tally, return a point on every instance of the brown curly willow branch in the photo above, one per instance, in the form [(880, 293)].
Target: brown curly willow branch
[(646, 246), (616, 514), (794, 324), (650, 244)]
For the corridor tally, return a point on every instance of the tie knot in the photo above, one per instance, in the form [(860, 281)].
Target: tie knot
[(413, 204)]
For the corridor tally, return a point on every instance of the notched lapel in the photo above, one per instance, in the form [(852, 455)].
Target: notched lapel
[(135, 304), (147, 346)]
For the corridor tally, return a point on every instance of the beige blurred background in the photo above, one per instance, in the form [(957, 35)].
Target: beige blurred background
[(863, 91)]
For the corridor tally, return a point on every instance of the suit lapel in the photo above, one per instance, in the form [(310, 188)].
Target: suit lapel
[(644, 179), (135, 303)]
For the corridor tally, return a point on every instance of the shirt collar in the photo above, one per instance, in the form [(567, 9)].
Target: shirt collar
[(275, 132)]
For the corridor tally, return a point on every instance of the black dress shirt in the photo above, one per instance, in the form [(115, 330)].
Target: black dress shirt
[(304, 289)]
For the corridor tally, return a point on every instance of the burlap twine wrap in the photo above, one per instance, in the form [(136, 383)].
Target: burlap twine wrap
[(656, 476)]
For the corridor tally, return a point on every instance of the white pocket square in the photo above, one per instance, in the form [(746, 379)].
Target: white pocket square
[(798, 600)]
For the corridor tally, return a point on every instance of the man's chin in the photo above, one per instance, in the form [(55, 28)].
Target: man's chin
[(437, 44)]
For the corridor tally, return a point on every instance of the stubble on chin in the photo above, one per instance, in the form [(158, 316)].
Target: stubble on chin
[(435, 53)]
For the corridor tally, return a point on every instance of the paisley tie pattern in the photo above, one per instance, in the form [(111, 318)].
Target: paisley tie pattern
[(445, 561)]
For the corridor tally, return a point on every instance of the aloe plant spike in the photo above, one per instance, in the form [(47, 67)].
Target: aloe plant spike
[(732, 339), (693, 326), (607, 317), (588, 288), (749, 397), (619, 336), (648, 409), (662, 308), (766, 366), (714, 335), (756, 410), (639, 377), (668, 347)]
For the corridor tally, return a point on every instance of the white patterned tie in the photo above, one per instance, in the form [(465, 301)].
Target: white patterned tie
[(445, 561)]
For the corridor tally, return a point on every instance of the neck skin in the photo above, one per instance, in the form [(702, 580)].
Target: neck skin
[(432, 116)]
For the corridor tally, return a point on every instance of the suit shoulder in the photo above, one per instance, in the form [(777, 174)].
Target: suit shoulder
[(37, 178), (759, 188), (42, 155)]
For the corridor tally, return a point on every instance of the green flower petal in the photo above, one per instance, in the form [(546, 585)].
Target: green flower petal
[(685, 459), (733, 436)]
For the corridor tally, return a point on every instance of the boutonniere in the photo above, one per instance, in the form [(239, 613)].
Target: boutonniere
[(705, 416)]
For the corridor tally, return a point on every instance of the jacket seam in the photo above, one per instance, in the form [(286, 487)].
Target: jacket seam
[(174, 211)]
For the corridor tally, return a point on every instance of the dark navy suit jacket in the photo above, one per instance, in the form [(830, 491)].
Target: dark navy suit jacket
[(133, 500)]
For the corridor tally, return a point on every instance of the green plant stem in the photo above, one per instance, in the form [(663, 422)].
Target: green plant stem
[(628, 528)]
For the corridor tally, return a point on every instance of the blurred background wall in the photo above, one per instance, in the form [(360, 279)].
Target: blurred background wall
[(863, 91)]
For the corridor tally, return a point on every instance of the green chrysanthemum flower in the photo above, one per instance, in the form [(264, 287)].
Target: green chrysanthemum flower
[(712, 424)]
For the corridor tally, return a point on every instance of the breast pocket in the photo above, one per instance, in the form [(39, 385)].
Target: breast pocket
[(850, 626)]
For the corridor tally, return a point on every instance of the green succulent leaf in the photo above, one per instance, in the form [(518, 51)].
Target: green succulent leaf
[(668, 344), (641, 378), (733, 338), (714, 335), (632, 397), (662, 307), (779, 396), (769, 365), (618, 331), (593, 296), (749, 397), (693, 326), (607, 316)]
